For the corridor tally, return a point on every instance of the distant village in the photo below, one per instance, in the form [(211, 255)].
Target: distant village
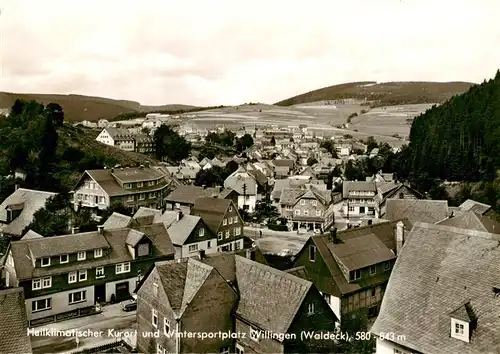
[(195, 258)]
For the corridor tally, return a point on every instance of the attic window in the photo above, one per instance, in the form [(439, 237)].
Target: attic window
[(45, 261), (310, 309), (312, 253)]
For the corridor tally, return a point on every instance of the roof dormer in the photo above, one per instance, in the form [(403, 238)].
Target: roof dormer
[(463, 322), (138, 244)]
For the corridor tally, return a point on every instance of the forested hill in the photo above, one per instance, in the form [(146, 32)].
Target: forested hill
[(459, 140)]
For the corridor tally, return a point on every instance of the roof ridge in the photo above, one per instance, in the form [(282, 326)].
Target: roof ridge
[(457, 230)]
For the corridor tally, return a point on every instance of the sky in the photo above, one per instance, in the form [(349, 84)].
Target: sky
[(214, 52)]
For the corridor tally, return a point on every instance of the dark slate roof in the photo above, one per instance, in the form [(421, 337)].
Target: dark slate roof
[(283, 163), (32, 201), (136, 174), (415, 210), (440, 269), (180, 230), (289, 196), (472, 205), (269, 298), (13, 322), (472, 221), (189, 193), (181, 280), (464, 313), (211, 210)]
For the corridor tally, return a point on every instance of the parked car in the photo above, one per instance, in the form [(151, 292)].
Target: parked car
[(129, 305)]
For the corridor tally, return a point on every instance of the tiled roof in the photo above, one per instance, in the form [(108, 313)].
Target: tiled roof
[(117, 221), (472, 221), (211, 210), (440, 269), (361, 186), (188, 194), (472, 205), (239, 180), (269, 298), (32, 201), (415, 210), (289, 196), (31, 235), (182, 280), (143, 211), (117, 133), (134, 237), (179, 231), (136, 174), (283, 163), (385, 187), (13, 322)]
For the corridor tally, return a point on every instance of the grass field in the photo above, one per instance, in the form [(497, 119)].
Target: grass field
[(79, 107), (384, 94)]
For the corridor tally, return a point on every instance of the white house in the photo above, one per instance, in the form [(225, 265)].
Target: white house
[(117, 137), (245, 185)]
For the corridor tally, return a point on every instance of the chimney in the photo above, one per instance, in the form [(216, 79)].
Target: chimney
[(333, 235), (400, 236), (179, 214), (75, 230), (100, 229), (112, 170)]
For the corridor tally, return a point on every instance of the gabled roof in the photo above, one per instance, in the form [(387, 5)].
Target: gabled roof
[(181, 280), (472, 205), (143, 211), (440, 269), (136, 174), (32, 201), (239, 180), (472, 221), (361, 186), (211, 210), (31, 235), (431, 211), (289, 196), (464, 313), (117, 133), (179, 231), (134, 237), (117, 221), (189, 193), (13, 322), (269, 298)]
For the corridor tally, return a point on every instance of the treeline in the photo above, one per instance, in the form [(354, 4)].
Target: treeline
[(133, 115)]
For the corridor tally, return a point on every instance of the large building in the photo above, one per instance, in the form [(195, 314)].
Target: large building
[(133, 187), (65, 276), (125, 140)]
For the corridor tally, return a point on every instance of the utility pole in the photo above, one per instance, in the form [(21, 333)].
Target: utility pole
[(244, 195)]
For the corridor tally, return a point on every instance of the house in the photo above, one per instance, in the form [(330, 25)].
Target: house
[(118, 137), (245, 185), (102, 123), (65, 276), (293, 182), (394, 190), (228, 293), (359, 199), (282, 168), (132, 186), (14, 336), (184, 196), (443, 295), (18, 209), (472, 205), (381, 177), (144, 144), (351, 267), (182, 173), (430, 211), (222, 218), (188, 233)]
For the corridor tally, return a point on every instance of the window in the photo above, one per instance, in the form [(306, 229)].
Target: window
[(372, 311), (81, 256), (160, 349), (122, 268), (306, 212), (41, 305), (98, 253), (139, 184), (230, 220), (219, 236), (152, 195), (155, 289), (254, 334), (327, 299), (46, 282), (351, 208), (374, 292), (37, 284), (201, 232), (130, 198), (154, 318), (101, 200), (387, 265), (239, 349), (297, 211), (99, 272), (224, 222), (143, 249), (224, 350), (79, 296), (235, 219), (459, 329), (63, 258), (127, 185), (141, 196), (373, 269), (318, 212), (289, 208), (302, 202), (314, 202), (356, 275), (45, 261), (236, 246), (310, 309), (72, 277), (82, 275), (312, 253), (193, 248), (237, 231), (166, 326)]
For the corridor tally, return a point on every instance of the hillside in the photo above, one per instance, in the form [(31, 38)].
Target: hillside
[(79, 107), (459, 140), (384, 94)]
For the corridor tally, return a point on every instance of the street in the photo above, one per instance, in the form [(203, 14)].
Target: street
[(111, 317)]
